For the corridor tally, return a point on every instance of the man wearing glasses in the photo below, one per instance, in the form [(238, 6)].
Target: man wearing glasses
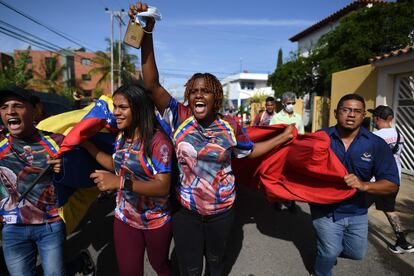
[(342, 228), (287, 115)]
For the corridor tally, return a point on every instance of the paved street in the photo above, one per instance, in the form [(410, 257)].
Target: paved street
[(263, 242)]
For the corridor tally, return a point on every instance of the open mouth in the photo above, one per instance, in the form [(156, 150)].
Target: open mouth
[(14, 123), (200, 107)]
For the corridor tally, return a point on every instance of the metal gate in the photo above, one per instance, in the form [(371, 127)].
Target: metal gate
[(405, 119)]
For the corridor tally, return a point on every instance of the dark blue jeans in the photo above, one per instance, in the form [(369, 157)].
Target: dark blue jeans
[(22, 242), (347, 237)]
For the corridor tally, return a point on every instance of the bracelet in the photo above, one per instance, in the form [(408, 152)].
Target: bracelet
[(147, 32), (126, 184)]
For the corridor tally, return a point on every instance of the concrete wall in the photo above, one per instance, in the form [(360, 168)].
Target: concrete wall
[(361, 80), (387, 71)]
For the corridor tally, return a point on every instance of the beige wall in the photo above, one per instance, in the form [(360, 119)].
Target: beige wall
[(361, 80), (320, 114), (255, 108), (298, 107)]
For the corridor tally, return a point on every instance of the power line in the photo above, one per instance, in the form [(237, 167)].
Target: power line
[(43, 44), (55, 31), (27, 33), (26, 39), (58, 50), (22, 39)]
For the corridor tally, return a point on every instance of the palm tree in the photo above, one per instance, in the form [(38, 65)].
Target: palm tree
[(103, 60), (49, 78)]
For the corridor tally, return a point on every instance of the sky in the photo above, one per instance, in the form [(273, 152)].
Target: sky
[(222, 37)]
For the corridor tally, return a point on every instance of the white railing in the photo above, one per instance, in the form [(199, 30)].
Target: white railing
[(405, 120)]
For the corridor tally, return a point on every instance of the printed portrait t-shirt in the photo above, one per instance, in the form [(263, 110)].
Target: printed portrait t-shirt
[(263, 119), (139, 211), (21, 161), (204, 158)]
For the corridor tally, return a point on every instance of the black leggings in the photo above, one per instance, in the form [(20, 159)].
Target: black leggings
[(196, 235)]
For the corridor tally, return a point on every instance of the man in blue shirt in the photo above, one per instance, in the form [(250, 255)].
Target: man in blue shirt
[(342, 228)]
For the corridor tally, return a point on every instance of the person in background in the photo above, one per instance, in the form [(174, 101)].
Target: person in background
[(263, 118), (205, 142), (139, 170), (77, 99), (342, 228), (287, 115), (382, 117)]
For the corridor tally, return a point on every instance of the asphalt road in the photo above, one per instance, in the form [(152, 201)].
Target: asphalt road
[(263, 242)]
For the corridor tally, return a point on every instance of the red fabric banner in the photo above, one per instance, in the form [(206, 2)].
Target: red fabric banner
[(305, 169)]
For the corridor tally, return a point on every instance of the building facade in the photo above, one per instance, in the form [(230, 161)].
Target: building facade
[(315, 112), (77, 66), (240, 87), (308, 38)]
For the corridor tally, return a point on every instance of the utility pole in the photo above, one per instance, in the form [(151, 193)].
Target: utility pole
[(118, 15)]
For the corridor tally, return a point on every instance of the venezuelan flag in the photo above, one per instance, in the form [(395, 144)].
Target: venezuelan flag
[(75, 191)]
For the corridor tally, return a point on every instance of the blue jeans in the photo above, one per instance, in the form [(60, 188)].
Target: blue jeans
[(22, 242), (347, 237)]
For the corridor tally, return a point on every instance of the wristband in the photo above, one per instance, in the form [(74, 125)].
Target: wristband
[(126, 184)]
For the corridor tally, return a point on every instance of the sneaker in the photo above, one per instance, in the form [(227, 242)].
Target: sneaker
[(88, 264), (401, 248)]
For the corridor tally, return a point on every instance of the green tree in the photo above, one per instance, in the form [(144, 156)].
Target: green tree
[(7, 74), (17, 73), (259, 97), (104, 63), (296, 75), (49, 78), (279, 58), (22, 75), (360, 35)]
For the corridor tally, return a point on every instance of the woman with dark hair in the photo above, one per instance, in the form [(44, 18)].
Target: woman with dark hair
[(139, 170), (205, 141)]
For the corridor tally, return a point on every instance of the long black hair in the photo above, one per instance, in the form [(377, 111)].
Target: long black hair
[(143, 114)]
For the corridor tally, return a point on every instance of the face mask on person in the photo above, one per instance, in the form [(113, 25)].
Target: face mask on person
[(289, 108)]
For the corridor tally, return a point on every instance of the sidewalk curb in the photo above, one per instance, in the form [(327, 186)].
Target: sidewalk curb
[(403, 262)]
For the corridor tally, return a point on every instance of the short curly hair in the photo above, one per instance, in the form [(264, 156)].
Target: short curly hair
[(212, 84)]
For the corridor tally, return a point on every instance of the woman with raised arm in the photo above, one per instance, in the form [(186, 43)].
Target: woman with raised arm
[(142, 165), (204, 141)]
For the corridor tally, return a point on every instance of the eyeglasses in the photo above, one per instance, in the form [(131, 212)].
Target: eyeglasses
[(347, 110)]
